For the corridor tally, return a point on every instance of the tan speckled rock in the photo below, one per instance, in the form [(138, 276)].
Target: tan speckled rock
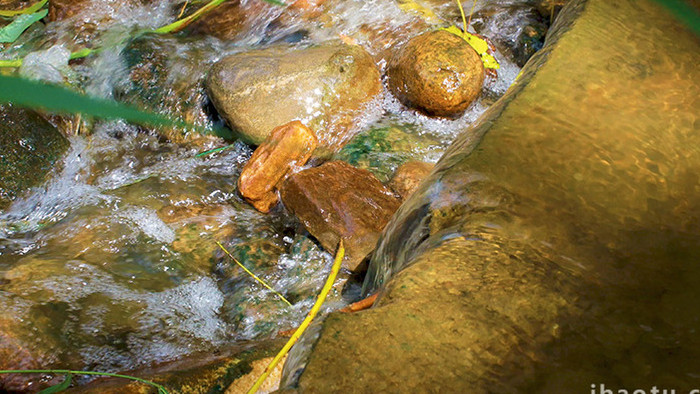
[(327, 87), (436, 72)]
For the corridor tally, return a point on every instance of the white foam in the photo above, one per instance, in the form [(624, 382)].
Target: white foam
[(150, 224), (49, 65)]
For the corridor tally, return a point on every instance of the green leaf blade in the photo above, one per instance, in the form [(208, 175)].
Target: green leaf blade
[(52, 98), (11, 32), (59, 387)]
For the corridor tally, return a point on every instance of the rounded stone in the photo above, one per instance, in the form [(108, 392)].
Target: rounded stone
[(328, 87), (436, 72)]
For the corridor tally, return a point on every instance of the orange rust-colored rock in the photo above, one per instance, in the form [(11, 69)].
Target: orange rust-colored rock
[(288, 146), (408, 176), (337, 200), (436, 72)]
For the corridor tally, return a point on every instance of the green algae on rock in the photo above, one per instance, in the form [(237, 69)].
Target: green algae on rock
[(327, 87), (382, 149), (558, 237), (29, 147)]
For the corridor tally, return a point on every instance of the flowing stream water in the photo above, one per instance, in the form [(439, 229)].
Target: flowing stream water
[(112, 263)]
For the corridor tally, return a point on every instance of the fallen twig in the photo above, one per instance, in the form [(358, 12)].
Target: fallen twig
[(360, 305)]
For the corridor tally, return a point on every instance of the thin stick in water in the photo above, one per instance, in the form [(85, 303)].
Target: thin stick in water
[(253, 275)]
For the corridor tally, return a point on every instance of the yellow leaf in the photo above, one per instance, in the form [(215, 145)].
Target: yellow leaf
[(490, 61), (479, 44)]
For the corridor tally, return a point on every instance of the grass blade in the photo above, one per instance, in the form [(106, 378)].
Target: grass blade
[(312, 313), (59, 387), (214, 150), (29, 10), (182, 23), (54, 98), (11, 32)]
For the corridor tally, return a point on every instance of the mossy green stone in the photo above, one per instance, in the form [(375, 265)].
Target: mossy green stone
[(29, 148)]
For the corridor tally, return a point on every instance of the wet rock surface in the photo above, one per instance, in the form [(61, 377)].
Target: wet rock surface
[(289, 146), (337, 200), (436, 72), (530, 260), (327, 87), (233, 18), (61, 9), (29, 147), (519, 40), (17, 352), (224, 22)]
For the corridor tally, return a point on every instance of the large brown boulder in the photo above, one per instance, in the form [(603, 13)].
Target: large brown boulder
[(555, 245), (337, 200), (327, 87), (288, 146), (436, 72)]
